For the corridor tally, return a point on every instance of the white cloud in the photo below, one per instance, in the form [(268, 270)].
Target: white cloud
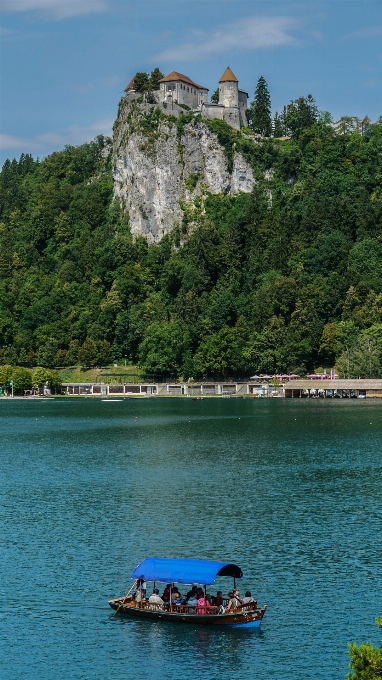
[(56, 9), (75, 134), (250, 33)]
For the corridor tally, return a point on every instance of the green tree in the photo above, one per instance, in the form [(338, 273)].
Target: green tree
[(47, 353), (5, 374), (277, 126), (164, 349), (104, 353), (220, 354), (54, 380), (215, 97), (40, 377), (72, 353), (259, 113), (141, 82), (155, 77), (87, 354), (361, 360), (365, 660), (365, 258), (299, 115), (22, 379)]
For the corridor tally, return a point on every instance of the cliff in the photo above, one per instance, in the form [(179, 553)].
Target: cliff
[(166, 162)]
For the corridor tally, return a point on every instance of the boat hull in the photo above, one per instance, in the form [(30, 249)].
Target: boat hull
[(247, 618)]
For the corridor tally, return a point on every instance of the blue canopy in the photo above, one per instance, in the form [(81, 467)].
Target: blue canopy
[(184, 571)]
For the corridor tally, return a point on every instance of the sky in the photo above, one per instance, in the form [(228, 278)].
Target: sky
[(65, 63)]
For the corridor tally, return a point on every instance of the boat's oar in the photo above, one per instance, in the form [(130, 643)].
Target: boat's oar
[(124, 599)]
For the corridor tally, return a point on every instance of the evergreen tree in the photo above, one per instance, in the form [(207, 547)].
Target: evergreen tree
[(141, 82), (259, 114), (278, 127), (155, 77), (215, 97)]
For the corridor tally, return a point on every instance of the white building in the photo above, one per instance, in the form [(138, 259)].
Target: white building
[(182, 90), (177, 88)]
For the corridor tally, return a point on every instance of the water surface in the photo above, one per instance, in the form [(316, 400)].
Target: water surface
[(288, 489)]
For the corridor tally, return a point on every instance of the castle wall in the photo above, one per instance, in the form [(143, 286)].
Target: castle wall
[(232, 116), (213, 112)]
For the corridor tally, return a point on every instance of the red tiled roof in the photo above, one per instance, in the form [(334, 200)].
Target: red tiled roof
[(130, 85), (174, 75)]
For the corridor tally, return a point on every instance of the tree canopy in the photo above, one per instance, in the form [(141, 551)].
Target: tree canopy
[(365, 660), (286, 278)]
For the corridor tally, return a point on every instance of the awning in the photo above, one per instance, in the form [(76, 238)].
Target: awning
[(184, 571)]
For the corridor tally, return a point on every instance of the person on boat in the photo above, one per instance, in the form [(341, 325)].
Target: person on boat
[(155, 598), (234, 600), (166, 593), (203, 604), (140, 587), (177, 597), (192, 601), (248, 599), (218, 599), (191, 593)]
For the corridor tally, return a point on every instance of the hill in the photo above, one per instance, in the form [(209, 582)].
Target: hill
[(285, 277)]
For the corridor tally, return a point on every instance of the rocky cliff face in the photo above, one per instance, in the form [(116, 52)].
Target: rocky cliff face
[(165, 163)]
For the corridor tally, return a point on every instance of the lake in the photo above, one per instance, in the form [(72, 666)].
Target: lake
[(288, 489)]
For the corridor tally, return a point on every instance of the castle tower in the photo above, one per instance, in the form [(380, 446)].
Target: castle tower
[(228, 89)]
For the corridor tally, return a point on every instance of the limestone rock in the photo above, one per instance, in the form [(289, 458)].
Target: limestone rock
[(157, 173), (242, 176)]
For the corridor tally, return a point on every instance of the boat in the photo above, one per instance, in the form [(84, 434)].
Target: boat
[(186, 572)]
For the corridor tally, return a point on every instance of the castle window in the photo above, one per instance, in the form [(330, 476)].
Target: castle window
[(188, 89)]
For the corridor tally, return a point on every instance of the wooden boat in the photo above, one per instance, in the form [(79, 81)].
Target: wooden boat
[(187, 572)]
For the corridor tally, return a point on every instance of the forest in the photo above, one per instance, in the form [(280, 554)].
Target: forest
[(285, 279)]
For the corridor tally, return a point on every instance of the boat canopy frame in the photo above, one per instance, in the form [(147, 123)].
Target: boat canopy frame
[(165, 570)]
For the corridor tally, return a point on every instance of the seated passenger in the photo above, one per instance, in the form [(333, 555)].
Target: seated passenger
[(166, 593), (193, 601), (154, 598), (177, 597), (234, 601), (237, 597), (218, 599), (248, 598), (192, 592), (203, 605)]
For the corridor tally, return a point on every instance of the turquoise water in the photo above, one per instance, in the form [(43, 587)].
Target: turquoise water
[(288, 489)]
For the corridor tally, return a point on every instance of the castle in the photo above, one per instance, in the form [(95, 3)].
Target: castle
[(177, 88)]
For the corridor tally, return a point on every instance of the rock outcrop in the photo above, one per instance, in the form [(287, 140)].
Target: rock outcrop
[(164, 163)]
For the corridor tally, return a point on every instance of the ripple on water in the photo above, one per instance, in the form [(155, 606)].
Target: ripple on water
[(288, 489)]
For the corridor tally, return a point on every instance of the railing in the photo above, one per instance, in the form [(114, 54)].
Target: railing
[(194, 609)]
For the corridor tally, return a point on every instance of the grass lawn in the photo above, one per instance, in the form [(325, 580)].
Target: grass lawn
[(116, 374)]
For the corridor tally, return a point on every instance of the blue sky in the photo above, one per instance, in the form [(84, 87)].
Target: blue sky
[(65, 63)]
